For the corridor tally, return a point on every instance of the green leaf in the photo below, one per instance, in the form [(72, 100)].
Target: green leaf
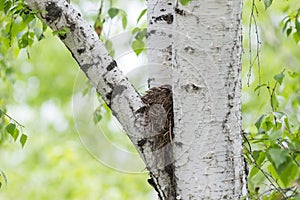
[(267, 125), (268, 3), (138, 46), (293, 74), (259, 121), (97, 115), (297, 25), (288, 172), (15, 135), (124, 21), (141, 34), (109, 47), (286, 23), (287, 123), (184, 2), (7, 5), (296, 37), (2, 178), (135, 30), (112, 12), (275, 102), (23, 139), (279, 77), (0, 113), (278, 157), (259, 86), (289, 31), (10, 128), (141, 15)]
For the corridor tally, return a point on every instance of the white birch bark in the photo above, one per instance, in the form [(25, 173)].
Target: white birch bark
[(207, 104), (159, 42), (159, 53)]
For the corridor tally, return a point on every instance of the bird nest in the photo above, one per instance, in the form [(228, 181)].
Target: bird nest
[(159, 116)]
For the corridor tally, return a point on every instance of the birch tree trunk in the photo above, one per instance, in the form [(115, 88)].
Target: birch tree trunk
[(159, 42), (207, 146), (207, 100)]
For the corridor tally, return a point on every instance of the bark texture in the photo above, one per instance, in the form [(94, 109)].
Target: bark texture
[(159, 42), (159, 52), (207, 108)]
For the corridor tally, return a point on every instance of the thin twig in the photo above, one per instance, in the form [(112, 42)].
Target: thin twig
[(12, 119)]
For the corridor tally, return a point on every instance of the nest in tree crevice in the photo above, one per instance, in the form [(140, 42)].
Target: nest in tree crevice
[(159, 116)]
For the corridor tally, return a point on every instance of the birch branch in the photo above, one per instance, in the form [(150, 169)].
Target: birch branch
[(95, 61)]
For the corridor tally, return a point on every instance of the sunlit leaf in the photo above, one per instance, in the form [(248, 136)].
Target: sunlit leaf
[(184, 2), (297, 25), (23, 139), (267, 3), (97, 115), (277, 157), (275, 102), (112, 12), (138, 46), (296, 37), (259, 121), (15, 135), (124, 21), (259, 86), (279, 77), (293, 74), (141, 15), (10, 128)]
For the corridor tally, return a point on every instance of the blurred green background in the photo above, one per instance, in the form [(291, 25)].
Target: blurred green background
[(55, 163)]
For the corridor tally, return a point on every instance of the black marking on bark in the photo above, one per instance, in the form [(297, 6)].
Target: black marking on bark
[(53, 12), (142, 142), (141, 110), (111, 66), (118, 90), (179, 144), (168, 18), (189, 50), (191, 87), (154, 185), (108, 96), (179, 11), (111, 86), (85, 67), (162, 10), (92, 46), (70, 24), (80, 51), (79, 14), (83, 33)]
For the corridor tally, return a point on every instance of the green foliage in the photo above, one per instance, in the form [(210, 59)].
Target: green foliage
[(291, 25), (62, 32), (3, 179), (268, 3), (139, 42), (141, 15), (185, 2)]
